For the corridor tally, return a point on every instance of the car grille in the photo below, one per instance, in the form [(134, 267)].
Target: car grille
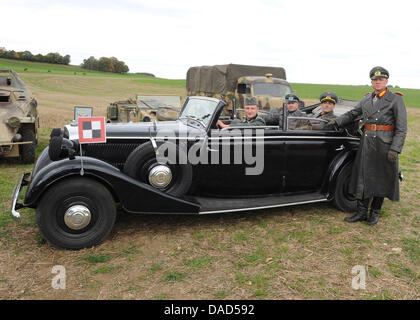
[(113, 153)]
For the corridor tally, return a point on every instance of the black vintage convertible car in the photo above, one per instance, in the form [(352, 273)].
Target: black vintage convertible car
[(187, 166)]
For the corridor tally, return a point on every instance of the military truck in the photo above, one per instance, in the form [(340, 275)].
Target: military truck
[(145, 108), (19, 119), (232, 83)]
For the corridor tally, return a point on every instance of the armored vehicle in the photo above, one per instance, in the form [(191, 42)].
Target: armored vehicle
[(145, 108), (19, 119), (233, 83)]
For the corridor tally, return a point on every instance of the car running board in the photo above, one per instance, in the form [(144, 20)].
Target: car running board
[(219, 205)]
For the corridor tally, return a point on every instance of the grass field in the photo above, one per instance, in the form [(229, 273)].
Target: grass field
[(302, 252), (56, 69), (310, 92)]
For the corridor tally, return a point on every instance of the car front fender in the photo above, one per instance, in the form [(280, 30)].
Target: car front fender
[(133, 195)]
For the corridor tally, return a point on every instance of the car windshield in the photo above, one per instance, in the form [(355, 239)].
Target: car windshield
[(271, 89), (199, 109), (155, 101)]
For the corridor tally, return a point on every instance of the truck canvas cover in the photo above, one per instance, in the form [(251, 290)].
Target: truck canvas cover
[(222, 78)]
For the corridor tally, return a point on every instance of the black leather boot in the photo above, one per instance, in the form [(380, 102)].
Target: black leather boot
[(361, 214), (374, 210)]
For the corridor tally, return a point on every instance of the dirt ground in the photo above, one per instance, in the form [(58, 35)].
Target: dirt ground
[(302, 252)]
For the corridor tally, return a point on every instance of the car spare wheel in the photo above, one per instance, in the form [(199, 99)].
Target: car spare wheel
[(173, 178)]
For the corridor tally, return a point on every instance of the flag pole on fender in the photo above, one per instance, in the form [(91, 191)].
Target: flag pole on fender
[(91, 130)]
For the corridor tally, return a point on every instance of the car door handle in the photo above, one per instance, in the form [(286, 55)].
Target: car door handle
[(340, 148), (205, 143)]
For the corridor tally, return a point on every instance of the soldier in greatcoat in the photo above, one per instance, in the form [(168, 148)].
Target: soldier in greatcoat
[(383, 121)]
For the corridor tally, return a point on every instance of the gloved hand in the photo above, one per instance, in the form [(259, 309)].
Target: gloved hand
[(392, 155), (331, 125)]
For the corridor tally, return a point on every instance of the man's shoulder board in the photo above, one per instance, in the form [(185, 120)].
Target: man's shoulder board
[(399, 93)]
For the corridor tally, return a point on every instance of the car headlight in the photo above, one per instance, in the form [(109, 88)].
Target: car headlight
[(14, 122)]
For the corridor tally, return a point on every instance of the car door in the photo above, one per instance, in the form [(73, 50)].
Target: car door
[(308, 154), (243, 161)]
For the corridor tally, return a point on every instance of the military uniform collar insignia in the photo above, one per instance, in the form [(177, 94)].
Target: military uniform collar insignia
[(380, 94)]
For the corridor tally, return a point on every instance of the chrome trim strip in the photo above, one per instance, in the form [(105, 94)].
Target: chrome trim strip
[(15, 197), (265, 207), (239, 137)]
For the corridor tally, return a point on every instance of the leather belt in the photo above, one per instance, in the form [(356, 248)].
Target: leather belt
[(378, 127)]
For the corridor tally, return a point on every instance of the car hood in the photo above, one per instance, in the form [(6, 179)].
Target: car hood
[(136, 130)]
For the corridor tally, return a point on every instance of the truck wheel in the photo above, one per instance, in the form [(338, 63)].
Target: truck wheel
[(27, 151), (142, 165), (76, 213), (343, 200)]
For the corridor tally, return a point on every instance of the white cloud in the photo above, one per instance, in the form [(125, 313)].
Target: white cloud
[(316, 41)]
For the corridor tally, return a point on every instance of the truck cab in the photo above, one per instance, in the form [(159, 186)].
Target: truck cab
[(232, 83), (268, 91)]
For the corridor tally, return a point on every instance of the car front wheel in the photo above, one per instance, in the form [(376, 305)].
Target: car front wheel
[(76, 213)]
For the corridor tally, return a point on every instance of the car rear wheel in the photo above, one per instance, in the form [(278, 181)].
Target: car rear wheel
[(343, 200), (76, 213), (142, 165)]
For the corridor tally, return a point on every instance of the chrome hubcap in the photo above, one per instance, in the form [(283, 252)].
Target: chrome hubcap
[(160, 176), (77, 217)]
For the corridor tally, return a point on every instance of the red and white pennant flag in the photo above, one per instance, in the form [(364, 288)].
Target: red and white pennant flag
[(92, 130)]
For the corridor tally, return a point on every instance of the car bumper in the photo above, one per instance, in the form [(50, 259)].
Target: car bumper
[(23, 181), (7, 148)]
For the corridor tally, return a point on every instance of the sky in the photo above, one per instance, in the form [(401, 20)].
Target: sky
[(328, 42)]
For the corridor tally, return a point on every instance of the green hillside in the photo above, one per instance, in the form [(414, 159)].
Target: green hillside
[(38, 67), (307, 91), (304, 90)]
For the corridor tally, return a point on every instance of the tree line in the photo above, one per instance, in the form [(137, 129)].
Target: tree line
[(52, 57), (105, 64)]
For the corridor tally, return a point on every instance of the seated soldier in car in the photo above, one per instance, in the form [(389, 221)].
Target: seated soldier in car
[(293, 111), (251, 116), (292, 104), (328, 100)]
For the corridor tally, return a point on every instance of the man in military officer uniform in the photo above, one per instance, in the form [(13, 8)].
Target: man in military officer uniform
[(375, 169), (251, 116), (328, 100), (292, 105)]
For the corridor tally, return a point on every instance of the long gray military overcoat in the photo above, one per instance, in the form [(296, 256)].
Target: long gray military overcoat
[(373, 174)]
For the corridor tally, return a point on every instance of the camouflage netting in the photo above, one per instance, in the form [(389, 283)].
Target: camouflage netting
[(222, 78)]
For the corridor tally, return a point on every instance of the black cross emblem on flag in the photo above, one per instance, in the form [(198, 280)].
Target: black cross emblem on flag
[(92, 130)]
